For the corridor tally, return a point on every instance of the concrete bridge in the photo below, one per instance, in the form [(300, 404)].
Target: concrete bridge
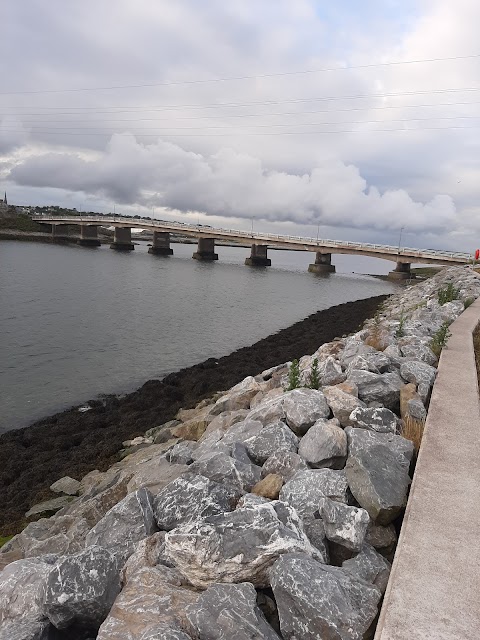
[(206, 236)]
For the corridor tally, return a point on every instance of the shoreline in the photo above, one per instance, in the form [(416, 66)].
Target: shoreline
[(74, 443)]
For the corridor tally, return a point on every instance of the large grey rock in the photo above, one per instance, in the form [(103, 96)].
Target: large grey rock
[(376, 419), (354, 347), (418, 373), (125, 524), (238, 546), (21, 588), (26, 628), (382, 538), (152, 602), (324, 445), (181, 453), (154, 474), (284, 463), (48, 507), (60, 535), (81, 589), (299, 409), (377, 472), (238, 397), (419, 352), (66, 485), (242, 431), (224, 421), (382, 388), (304, 491), (315, 531), (370, 566), (330, 372), (376, 361), (344, 524), (317, 601), (220, 467), (227, 611), (342, 404), (148, 553), (275, 437), (191, 497)]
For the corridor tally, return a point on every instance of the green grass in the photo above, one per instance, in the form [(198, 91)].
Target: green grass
[(4, 540), (21, 222), (426, 272)]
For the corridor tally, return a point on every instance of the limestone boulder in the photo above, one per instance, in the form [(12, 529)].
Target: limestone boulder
[(149, 552), (320, 601), (370, 566), (376, 419), (275, 437), (330, 372), (153, 602), (376, 361), (128, 522), (222, 468), (315, 531), (224, 421), (299, 409), (239, 546), (342, 404), (324, 445), (377, 472), (66, 485), (379, 388), (48, 508), (418, 373), (269, 487), (192, 497), (384, 539), (81, 589), (419, 352), (305, 490), (154, 474), (181, 453), (227, 611), (26, 628), (242, 431), (239, 397), (344, 524), (285, 464)]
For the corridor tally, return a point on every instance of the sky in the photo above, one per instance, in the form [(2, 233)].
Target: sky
[(355, 121)]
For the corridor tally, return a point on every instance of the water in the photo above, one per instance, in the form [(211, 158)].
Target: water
[(76, 323)]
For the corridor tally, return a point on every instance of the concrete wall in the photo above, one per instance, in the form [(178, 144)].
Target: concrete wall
[(434, 587)]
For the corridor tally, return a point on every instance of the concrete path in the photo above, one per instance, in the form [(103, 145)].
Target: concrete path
[(434, 588)]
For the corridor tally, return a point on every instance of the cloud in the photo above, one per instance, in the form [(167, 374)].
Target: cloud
[(232, 184)]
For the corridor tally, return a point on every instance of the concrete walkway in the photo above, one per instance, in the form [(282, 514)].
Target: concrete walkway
[(434, 587)]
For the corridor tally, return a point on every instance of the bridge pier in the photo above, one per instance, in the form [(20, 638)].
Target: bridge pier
[(323, 264), (161, 244), (205, 250), (88, 236), (401, 272), (122, 239), (58, 236), (258, 256)]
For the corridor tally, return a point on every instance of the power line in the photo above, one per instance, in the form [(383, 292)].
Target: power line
[(250, 77)]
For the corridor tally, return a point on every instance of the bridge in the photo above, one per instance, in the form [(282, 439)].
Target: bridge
[(260, 243)]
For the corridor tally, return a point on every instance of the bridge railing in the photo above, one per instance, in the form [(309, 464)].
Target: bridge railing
[(320, 242)]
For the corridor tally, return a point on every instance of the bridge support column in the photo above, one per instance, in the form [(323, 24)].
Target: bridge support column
[(161, 244), (122, 239), (59, 235), (323, 264), (401, 272), (88, 236), (205, 250), (258, 256)]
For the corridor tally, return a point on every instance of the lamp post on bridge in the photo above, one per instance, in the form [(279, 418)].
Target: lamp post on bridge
[(400, 239)]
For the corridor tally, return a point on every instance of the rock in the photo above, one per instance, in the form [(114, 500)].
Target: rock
[(407, 392), (342, 404), (48, 507), (275, 437), (331, 372), (60, 535), (224, 421), (181, 453), (21, 588), (89, 481), (320, 601), (81, 589), (66, 485), (210, 443), (369, 566), (229, 611), (284, 463), (382, 538), (377, 472), (354, 347), (315, 531), (269, 487), (220, 467), (128, 522), (148, 553), (375, 361), (192, 429), (251, 500), (155, 474), (238, 451), (153, 601), (373, 387), (163, 432), (419, 352), (299, 409), (348, 387), (416, 409), (344, 525), (238, 397), (304, 491), (262, 397), (376, 419), (324, 445), (237, 547), (419, 373), (192, 497), (242, 431), (26, 628)]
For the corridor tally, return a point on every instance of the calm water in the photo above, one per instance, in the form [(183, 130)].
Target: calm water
[(77, 322)]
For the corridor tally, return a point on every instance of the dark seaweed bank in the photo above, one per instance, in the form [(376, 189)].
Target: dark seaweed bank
[(73, 443)]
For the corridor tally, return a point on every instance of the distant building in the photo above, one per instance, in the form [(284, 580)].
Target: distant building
[(4, 203)]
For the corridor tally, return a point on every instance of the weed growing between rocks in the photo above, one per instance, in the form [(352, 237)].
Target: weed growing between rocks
[(293, 376), (448, 294), (440, 339), (413, 430), (468, 302), (476, 346), (314, 376)]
